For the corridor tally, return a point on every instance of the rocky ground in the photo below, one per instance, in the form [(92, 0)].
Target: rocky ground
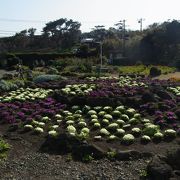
[(26, 160), (34, 165)]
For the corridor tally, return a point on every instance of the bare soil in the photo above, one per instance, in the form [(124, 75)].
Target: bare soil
[(26, 161), (169, 76)]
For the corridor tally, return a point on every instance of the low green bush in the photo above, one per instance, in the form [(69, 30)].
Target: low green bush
[(4, 147), (154, 71), (47, 77)]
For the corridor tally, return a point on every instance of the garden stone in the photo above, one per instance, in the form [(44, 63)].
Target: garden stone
[(158, 169), (78, 101), (164, 94), (173, 158), (148, 97), (127, 154), (88, 149)]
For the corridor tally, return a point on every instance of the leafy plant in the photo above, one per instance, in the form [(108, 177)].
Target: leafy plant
[(87, 158), (143, 173), (4, 147), (111, 154), (46, 78)]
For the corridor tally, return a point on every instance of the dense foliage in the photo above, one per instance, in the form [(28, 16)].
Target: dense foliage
[(158, 44)]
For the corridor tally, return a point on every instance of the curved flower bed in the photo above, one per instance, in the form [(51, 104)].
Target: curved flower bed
[(24, 94), (25, 111)]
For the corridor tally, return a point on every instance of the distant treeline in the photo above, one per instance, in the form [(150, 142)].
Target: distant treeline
[(158, 44)]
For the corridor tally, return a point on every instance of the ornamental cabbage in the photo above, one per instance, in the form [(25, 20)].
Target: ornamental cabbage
[(85, 130), (120, 132), (108, 116), (170, 133), (150, 130), (145, 139), (104, 132), (113, 126), (38, 130), (128, 139), (71, 129), (158, 136), (52, 133)]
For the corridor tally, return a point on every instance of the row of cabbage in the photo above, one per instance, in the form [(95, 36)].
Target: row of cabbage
[(23, 94), (175, 90), (101, 123)]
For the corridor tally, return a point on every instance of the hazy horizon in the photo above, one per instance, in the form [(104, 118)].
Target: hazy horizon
[(18, 15)]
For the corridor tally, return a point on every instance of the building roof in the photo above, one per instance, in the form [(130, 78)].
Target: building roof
[(86, 40)]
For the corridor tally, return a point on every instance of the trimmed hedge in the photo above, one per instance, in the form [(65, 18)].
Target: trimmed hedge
[(28, 59)]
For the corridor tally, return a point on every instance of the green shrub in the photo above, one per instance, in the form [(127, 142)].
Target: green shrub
[(46, 78), (154, 71), (52, 70), (69, 73), (8, 85), (150, 130), (4, 147)]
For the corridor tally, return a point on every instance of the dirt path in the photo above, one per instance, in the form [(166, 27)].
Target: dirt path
[(168, 76)]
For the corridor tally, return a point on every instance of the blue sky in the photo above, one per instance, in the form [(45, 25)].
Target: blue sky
[(88, 12)]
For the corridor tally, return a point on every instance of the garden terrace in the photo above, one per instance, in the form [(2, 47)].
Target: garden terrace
[(94, 117)]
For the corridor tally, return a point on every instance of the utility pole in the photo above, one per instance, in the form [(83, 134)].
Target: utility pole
[(140, 22), (101, 53), (124, 37)]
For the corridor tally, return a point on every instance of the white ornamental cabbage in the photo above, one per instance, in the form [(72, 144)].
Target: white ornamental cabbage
[(108, 116), (28, 127), (54, 127), (116, 114), (120, 122), (58, 116), (105, 122), (128, 138), (120, 132), (158, 136), (71, 129), (150, 130), (101, 113), (91, 112), (170, 133), (104, 132), (94, 116), (52, 133), (131, 112), (82, 124), (113, 126), (98, 138), (45, 119), (94, 121), (41, 124), (96, 125), (70, 122), (133, 121), (125, 117), (145, 139), (136, 131), (112, 138), (85, 130), (38, 130)]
